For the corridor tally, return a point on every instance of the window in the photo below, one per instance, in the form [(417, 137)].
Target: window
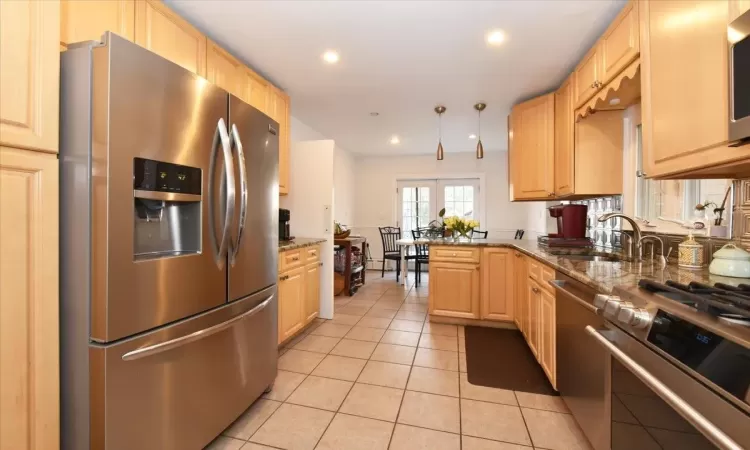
[(417, 204), (460, 198), (674, 199)]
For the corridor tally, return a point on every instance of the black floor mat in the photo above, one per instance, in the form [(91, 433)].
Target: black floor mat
[(500, 358)]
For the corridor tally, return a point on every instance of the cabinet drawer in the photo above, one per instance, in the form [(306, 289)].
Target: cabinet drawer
[(548, 274), (312, 254), (291, 259), (455, 254), (535, 270)]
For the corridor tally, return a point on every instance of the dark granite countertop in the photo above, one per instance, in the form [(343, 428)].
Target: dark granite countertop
[(299, 243), (601, 275)]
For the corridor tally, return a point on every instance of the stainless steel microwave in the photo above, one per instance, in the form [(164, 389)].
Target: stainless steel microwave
[(738, 34)]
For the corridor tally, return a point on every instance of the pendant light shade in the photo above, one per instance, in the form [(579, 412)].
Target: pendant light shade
[(480, 148), (440, 110)]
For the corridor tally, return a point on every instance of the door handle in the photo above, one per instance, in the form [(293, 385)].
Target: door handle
[(699, 421), (236, 142), (221, 137), (192, 337)]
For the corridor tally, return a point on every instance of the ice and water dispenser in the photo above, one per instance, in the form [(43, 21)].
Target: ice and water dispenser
[(166, 209)]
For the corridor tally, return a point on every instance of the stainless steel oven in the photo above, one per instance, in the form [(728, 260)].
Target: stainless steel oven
[(738, 34)]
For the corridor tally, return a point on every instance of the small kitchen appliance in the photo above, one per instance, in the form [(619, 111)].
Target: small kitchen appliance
[(284, 217), (571, 227)]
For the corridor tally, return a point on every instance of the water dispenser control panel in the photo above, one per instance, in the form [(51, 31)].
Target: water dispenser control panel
[(150, 175)]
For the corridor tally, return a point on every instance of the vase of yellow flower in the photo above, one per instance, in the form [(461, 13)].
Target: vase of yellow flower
[(461, 227)]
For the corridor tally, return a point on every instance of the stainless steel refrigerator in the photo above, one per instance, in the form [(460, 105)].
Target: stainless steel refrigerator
[(169, 231)]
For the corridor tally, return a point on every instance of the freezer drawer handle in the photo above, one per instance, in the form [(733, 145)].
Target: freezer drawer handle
[(710, 430), (192, 337), (236, 142), (559, 286), (221, 137)]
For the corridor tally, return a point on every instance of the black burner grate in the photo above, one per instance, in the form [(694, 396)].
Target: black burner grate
[(721, 300)]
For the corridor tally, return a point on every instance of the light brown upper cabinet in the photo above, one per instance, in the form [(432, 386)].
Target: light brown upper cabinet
[(620, 44), (685, 90), (278, 110), (30, 74), (497, 284), (598, 155), (87, 20), (257, 91), (615, 50), (564, 143), (737, 8), (224, 70), (531, 151), (165, 33), (587, 76)]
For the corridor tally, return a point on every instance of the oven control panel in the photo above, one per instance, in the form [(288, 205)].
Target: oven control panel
[(150, 175)]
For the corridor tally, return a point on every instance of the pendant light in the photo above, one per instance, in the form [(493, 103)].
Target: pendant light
[(480, 148), (440, 110)]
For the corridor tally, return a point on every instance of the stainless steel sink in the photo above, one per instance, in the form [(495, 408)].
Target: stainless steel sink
[(601, 257)]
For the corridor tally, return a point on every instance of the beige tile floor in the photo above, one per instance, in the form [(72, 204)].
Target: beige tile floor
[(381, 376)]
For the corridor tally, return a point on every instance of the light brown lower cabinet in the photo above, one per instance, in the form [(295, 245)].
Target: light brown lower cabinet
[(497, 284), (29, 300), (454, 289), (533, 298), (298, 290), (547, 330), (520, 287)]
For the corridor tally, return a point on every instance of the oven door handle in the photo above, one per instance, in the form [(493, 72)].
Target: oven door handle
[(192, 337), (235, 141), (221, 137), (559, 286), (708, 429)]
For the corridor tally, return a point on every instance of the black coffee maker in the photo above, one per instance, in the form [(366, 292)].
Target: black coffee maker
[(284, 216)]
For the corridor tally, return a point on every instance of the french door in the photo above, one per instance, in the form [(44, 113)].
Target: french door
[(420, 200), (417, 204)]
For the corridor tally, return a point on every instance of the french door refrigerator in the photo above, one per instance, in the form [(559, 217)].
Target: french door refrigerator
[(169, 231)]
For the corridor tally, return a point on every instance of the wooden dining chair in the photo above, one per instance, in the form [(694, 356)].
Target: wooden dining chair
[(422, 254), (479, 234)]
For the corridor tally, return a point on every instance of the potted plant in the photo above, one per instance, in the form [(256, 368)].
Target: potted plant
[(438, 229), (461, 227)]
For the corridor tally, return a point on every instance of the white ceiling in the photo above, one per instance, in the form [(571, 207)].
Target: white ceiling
[(402, 58)]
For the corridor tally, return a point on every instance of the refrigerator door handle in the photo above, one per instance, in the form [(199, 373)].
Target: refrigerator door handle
[(192, 337), (236, 142), (221, 137)]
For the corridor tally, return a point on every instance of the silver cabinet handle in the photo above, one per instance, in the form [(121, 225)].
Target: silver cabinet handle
[(559, 286), (703, 425), (320, 264), (235, 140), (220, 137), (192, 337)]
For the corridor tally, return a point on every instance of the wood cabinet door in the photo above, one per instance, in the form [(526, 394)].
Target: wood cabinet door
[(497, 284), (737, 8), (454, 289), (587, 76), (683, 70), (564, 144), (292, 291), (312, 291), (256, 92), (620, 44), (533, 149), (30, 74), (87, 20), (29, 311), (521, 275), (279, 111), (533, 304), (165, 33), (547, 332), (223, 70)]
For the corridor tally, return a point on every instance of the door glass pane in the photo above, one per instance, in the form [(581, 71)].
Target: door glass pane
[(459, 201)]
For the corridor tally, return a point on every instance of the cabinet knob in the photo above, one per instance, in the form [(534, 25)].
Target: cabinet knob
[(593, 85), (283, 277), (320, 264), (295, 258), (454, 254), (551, 194), (535, 290)]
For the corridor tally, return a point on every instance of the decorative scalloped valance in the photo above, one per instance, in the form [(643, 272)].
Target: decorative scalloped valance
[(624, 90)]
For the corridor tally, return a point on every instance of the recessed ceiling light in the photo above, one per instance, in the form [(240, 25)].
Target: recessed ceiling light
[(395, 140), (331, 57), (472, 136), (495, 37), (374, 114)]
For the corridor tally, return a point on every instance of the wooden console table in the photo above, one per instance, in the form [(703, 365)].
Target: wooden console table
[(358, 271)]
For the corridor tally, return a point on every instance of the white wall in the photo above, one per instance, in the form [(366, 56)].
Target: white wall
[(302, 132), (310, 200), (344, 186), (376, 199)]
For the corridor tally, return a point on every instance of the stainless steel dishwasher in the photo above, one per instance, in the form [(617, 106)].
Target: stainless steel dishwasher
[(583, 368)]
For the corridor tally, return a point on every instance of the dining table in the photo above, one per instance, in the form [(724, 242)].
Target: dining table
[(404, 245)]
